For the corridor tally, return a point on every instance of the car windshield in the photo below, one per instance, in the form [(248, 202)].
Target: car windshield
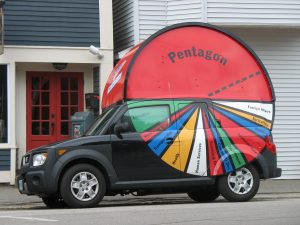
[(100, 122)]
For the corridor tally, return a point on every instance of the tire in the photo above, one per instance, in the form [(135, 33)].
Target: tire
[(240, 185), (205, 194), (54, 202), (88, 186)]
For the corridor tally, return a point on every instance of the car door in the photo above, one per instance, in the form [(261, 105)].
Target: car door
[(133, 155), (192, 137)]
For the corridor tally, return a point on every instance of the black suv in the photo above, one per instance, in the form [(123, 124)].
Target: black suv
[(140, 147)]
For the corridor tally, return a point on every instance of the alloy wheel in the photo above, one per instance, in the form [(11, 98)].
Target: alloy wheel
[(84, 186), (240, 181)]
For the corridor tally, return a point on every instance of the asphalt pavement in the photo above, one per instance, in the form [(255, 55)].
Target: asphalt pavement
[(266, 212), (10, 198)]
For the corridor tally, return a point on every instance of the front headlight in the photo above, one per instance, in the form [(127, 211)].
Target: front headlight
[(39, 159)]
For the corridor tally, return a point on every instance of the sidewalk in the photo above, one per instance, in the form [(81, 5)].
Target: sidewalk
[(10, 198)]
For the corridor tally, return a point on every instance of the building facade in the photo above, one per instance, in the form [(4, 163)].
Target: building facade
[(271, 28), (46, 70)]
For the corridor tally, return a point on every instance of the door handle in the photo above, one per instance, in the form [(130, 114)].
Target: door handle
[(52, 127), (169, 140)]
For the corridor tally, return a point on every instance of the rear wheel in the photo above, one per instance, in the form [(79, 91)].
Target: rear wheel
[(54, 202), (82, 186), (240, 185), (204, 194)]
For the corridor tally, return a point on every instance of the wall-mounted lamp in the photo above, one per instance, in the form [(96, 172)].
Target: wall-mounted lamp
[(96, 51), (60, 66)]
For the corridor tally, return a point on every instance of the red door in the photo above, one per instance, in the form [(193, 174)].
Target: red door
[(51, 98)]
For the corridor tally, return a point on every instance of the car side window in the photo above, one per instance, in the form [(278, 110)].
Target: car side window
[(140, 119)]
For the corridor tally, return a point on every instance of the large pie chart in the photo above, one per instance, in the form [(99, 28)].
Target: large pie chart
[(225, 93)]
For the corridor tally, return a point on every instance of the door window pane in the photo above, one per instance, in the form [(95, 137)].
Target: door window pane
[(35, 98), (64, 113), (45, 98), (74, 84), (35, 113), (45, 128), (45, 113), (64, 84), (74, 98), (147, 118), (45, 84), (35, 83), (64, 98), (35, 128), (64, 128)]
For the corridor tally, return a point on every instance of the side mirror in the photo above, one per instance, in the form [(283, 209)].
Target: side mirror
[(119, 128)]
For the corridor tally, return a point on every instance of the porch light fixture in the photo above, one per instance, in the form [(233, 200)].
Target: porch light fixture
[(96, 51), (60, 66)]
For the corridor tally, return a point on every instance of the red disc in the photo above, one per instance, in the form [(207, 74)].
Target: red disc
[(191, 60)]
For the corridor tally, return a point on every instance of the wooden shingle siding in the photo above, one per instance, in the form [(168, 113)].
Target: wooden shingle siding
[(70, 23), (123, 24), (4, 159), (279, 49), (255, 12)]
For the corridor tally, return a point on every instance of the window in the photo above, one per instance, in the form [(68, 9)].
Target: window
[(3, 104), (98, 125), (154, 118)]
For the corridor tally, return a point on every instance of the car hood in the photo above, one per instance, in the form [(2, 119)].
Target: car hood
[(81, 141)]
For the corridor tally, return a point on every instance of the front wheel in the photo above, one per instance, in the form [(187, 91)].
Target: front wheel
[(240, 185), (82, 186), (204, 194), (54, 202)]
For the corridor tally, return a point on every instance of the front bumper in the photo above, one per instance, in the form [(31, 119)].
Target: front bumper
[(32, 183), (37, 180)]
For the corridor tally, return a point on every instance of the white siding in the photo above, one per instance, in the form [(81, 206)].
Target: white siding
[(279, 49), (179, 11), (123, 16), (136, 20), (152, 17), (255, 12), (157, 14)]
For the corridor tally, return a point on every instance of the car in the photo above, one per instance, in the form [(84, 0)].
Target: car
[(189, 110)]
